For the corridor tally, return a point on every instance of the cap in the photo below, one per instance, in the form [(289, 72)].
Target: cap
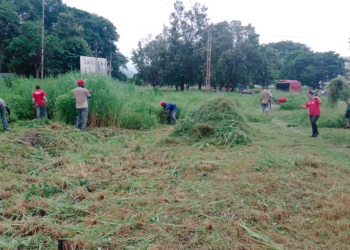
[(80, 82)]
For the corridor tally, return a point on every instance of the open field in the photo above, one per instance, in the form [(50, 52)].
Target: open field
[(145, 189)]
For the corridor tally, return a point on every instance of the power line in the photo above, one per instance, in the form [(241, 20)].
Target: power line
[(299, 37), (191, 2), (167, 5)]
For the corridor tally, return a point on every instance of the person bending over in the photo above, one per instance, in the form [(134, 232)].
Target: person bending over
[(170, 109), (3, 108)]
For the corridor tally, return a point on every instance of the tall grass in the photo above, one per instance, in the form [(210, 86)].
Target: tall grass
[(112, 103)]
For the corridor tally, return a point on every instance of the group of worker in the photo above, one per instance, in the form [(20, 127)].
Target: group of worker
[(313, 104), (40, 104), (81, 95)]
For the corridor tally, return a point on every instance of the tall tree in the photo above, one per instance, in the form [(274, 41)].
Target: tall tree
[(70, 33)]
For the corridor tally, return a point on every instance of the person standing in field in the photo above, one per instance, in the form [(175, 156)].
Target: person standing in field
[(170, 109), (81, 95), (313, 104), (264, 100), (39, 102), (3, 108), (347, 116)]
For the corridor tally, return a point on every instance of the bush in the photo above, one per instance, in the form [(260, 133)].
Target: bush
[(20, 106), (293, 101), (216, 122), (65, 109), (338, 90), (12, 118)]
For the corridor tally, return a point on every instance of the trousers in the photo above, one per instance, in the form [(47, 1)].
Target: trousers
[(82, 118), (313, 120), (3, 117)]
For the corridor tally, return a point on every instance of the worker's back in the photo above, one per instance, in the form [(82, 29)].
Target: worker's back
[(81, 95)]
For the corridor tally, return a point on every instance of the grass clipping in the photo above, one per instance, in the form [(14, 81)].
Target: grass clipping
[(217, 122)]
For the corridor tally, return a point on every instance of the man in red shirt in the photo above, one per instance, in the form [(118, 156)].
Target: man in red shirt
[(313, 104), (40, 101)]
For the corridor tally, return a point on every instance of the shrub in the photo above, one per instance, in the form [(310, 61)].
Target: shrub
[(338, 90), (65, 109), (21, 106), (12, 118)]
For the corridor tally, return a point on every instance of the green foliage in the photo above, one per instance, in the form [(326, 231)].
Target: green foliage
[(338, 90), (43, 190), (21, 107), (310, 68), (218, 122), (65, 108), (70, 33), (112, 103)]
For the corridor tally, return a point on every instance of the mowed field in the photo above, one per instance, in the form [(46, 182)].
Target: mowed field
[(111, 188)]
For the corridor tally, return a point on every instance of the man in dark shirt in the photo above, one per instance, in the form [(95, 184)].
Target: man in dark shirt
[(4, 107), (170, 109)]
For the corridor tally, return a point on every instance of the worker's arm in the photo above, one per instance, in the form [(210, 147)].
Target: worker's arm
[(46, 101), (33, 101), (303, 106), (8, 110)]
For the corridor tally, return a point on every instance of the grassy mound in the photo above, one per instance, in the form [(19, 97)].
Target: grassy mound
[(217, 122)]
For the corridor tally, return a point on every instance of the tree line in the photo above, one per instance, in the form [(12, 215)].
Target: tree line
[(177, 56), (70, 33)]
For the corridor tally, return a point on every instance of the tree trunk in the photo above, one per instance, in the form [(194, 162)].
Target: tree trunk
[(177, 88), (182, 87), (200, 86)]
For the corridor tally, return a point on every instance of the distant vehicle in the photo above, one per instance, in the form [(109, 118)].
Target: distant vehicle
[(289, 85), (241, 87)]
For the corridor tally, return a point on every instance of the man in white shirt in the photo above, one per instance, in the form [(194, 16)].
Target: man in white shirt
[(81, 95)]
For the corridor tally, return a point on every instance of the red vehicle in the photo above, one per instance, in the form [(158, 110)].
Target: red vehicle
[(289, 85)]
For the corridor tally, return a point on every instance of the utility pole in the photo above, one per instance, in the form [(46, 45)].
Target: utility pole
[(207, 82), (110, 66), (96, 48), (42, 41)]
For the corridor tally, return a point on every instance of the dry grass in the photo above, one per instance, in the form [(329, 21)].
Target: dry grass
[(119, 189)]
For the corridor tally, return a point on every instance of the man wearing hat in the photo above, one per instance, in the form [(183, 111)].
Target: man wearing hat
[(81, 95), (170, 109)]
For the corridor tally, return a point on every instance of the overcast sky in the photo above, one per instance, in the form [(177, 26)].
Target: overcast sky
[(323, 25)]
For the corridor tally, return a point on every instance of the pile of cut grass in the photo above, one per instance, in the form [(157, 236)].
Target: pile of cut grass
[(217, 122)]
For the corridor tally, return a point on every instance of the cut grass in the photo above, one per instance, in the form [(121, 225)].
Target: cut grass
[(126, 189)]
